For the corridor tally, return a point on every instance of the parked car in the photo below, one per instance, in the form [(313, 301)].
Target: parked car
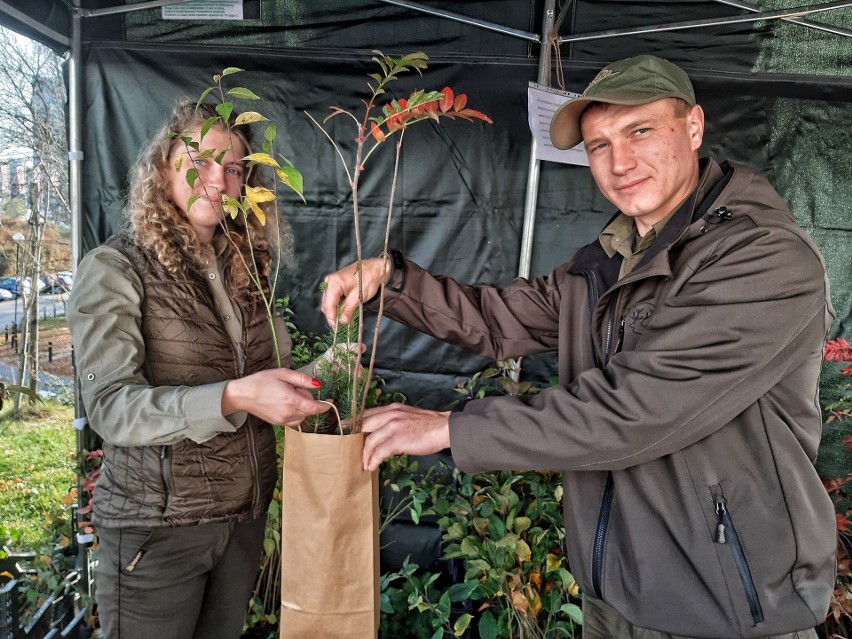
[(10, 284), (6, 294)]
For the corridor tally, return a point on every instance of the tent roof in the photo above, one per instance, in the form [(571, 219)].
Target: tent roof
[(333, 25)]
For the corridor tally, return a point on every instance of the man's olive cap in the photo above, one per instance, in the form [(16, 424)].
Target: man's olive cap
[(632, 81)]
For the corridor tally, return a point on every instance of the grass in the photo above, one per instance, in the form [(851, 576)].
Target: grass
[(37, 472)]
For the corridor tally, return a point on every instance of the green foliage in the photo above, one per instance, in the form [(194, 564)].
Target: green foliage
[(37, 490), (36, 472), (503, 529), (286, 174)]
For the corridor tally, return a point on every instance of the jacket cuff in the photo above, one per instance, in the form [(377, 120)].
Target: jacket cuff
[(204, 413)]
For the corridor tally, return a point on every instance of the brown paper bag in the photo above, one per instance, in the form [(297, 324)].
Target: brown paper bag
[(329, 539)]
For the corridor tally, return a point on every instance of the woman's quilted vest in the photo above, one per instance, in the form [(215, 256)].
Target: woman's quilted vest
[(230, 477)]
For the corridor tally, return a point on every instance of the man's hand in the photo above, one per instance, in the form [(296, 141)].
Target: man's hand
[(398, 429), (342, 286)]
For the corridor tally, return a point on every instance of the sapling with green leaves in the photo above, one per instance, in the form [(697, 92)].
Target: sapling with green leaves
[(255, 200)]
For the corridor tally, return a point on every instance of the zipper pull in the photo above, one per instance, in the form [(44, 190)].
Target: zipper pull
[(721, 511)]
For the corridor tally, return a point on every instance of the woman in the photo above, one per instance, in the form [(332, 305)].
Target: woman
[(178, 371)]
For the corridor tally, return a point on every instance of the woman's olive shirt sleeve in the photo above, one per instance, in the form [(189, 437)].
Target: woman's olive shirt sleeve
[(104, 315)]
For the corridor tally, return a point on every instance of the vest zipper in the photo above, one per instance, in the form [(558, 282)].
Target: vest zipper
[(166, 468), (255, 464), (727, 534)]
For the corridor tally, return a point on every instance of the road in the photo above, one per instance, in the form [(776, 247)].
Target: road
[(49, 306)]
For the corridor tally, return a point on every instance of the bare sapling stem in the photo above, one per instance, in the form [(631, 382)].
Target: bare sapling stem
[(385, 258)]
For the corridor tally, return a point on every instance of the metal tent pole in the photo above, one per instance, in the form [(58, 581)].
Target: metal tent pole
[(780, 14), (534, 171), (75, 172), (820, 26)]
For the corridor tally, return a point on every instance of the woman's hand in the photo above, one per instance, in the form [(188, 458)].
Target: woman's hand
[(399, 428), (277, 396), (342, 286)]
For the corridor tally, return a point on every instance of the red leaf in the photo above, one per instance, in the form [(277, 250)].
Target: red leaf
[(460, 102), (447, 100), (377, 133), (837, 350), (470, 113), (842, 522), (848, 442)]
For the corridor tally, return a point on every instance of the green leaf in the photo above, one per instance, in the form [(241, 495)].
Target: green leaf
[(225, 109), (270, 133), (242, 93), (203, 97), (438, 634), (521, 524), (188, 141), (469, 548), (191, 177), (487, 626), (462, 591), (231, 70), (221, 154), (461, 624), (291, 177), (191, 201), (573, 611), (205, 127)]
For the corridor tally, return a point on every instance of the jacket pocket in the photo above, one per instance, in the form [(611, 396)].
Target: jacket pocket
[(726, 534)]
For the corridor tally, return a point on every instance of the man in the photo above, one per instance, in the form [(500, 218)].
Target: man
[(686, 420)]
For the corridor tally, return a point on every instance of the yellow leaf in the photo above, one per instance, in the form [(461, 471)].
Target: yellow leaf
[(522, 550), (248, 117), (553, 562), (574, 589), (255, 195), (262, 158), (179, 162)]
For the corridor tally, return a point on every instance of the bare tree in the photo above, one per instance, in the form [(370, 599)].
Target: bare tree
[(32, 117)]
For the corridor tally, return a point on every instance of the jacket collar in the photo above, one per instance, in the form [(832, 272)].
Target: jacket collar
[(714, 178)]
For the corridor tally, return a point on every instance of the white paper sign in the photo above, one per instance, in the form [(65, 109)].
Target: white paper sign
[(543, 102), (205, 10)]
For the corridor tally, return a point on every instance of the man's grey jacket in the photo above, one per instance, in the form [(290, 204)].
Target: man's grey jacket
[(686, 420)]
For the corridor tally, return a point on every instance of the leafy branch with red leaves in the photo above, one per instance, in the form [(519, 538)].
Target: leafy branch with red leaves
[(838, 622), (373, 127)]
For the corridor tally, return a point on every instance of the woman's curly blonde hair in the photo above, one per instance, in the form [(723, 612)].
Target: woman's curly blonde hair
[(162, 228)]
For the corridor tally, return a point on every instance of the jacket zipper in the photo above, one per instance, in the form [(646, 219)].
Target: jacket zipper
[(606, 503), (727, 534)]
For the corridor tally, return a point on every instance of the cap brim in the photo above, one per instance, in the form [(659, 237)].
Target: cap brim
[(565, 124), (565, 130)]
